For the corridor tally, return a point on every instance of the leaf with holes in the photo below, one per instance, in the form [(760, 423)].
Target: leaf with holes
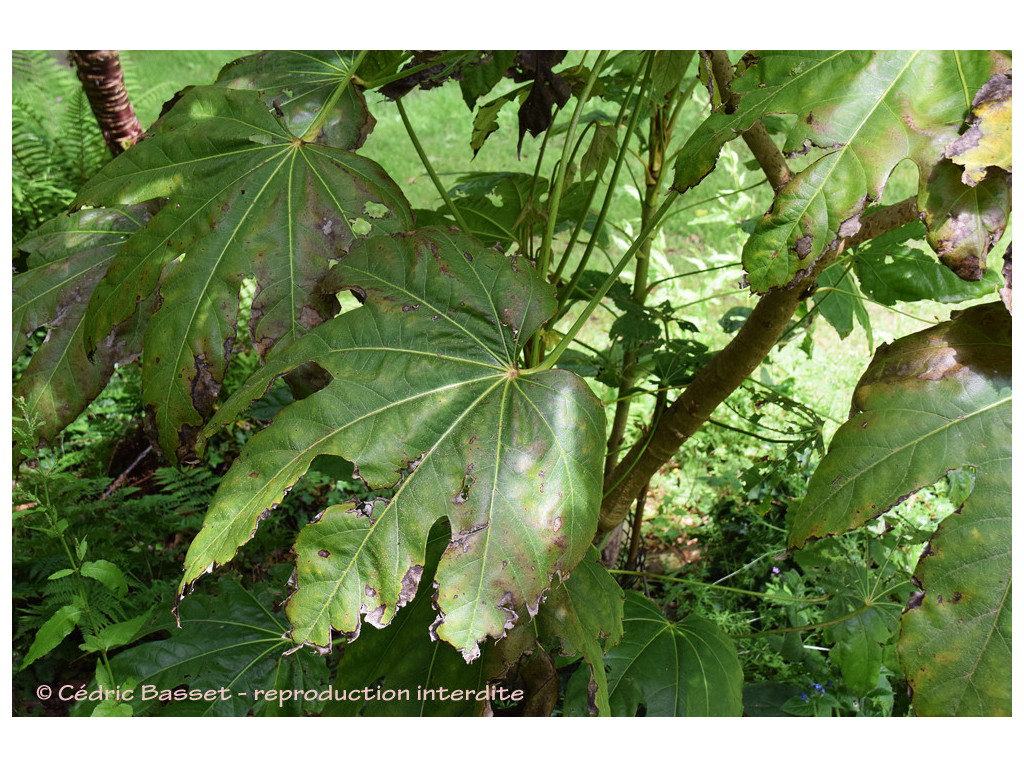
[(861, 113), (928, 404), (247, 197), (67, 257), (428, 401)]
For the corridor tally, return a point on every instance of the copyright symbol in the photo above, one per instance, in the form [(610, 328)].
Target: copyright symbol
[(43, 692)]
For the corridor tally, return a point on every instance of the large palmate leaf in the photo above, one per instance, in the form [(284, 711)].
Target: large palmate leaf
[(247, 197), (687, 668), (866, 110), (427, 399), (67, 258), (928, 404), (956, 641), (230, 643)]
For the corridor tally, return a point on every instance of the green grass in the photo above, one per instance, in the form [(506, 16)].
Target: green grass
[(153, 77)]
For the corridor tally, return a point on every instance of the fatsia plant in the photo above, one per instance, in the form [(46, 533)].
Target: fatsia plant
[(931, 403), (449, 387)]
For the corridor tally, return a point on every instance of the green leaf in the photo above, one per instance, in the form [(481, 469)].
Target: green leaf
[(403, 658), (53, 631), (767, 699), (930, 403), (300, 85), (111, 707), (668, 71), (426, 399), (956, 639), (107, 574), (115, 635), (229, 641), (859, 638), (839, 301), (689, 667), (584, 614), (480, 77), (246, 198), (486, 121), (603, 147), (67, 257), (60, 574), (867, 110), (890, 269), (492, 204)]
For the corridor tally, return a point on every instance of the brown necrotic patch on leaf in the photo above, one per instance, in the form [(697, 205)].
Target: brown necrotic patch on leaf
[(461, 539), (803, 246), (467, 482), (375, 618), (410, 584), (964, 223)]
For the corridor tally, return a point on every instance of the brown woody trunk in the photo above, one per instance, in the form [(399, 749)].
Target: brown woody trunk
[(103, 82), (725, 372), (730, 367)]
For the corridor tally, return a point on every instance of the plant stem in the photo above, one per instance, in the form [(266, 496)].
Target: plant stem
[(566, 293), (606, 286), (806, 627), (557, 188), (735, 590), (430, 168), (76, 566)]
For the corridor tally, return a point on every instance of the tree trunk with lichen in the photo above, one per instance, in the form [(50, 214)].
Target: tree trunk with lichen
[(103, 82)]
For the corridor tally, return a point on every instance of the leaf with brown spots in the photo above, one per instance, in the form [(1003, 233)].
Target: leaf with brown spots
[(964, 223), (67, 258), (428, 401), (247, 198), (402, 656), (860, 113), (928, 404)]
